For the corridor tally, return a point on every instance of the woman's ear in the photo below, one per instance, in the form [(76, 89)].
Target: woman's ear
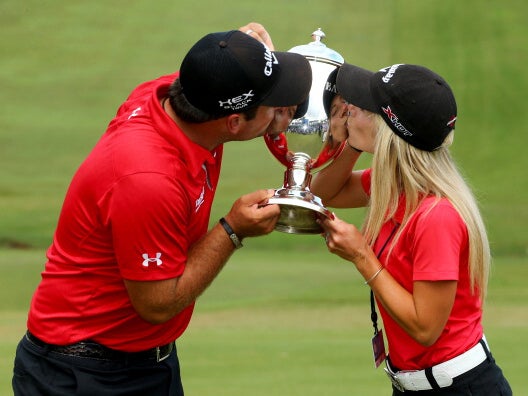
[(352, 111)]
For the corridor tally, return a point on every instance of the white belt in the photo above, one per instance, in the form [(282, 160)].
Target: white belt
[(443, 373)]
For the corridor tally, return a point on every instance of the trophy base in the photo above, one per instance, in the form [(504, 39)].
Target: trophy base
[(299, 212)]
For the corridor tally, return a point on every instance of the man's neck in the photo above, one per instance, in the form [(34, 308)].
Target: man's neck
[(208, 134)]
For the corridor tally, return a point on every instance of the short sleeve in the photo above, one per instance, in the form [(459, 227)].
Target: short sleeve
[(366, 178), (148, 213)]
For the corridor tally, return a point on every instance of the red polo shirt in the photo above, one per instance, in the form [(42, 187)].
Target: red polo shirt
[(135, 205), (432, 247)]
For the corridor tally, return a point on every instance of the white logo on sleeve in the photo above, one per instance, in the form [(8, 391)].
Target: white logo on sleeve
[(200, 200), (135, 112), (147, 260)]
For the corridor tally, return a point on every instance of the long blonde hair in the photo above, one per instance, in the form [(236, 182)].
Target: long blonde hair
[(400, 169)]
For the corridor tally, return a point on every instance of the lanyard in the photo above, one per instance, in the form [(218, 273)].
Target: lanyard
[(373, 313)]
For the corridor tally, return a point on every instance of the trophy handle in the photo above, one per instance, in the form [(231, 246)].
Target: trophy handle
[(278, 146), (330, 150)]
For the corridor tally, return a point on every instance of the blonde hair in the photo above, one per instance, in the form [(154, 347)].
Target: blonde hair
[(399, 168)]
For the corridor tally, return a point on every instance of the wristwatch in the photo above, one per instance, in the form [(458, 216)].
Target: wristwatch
[(234, 237)]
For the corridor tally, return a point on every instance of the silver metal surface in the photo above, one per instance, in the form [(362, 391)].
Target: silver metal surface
[(306, 146)]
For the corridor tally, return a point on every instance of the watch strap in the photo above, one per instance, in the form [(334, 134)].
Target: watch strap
[(234, 237)]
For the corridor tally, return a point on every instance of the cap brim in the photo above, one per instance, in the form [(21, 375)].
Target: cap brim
[(353, 84), (295, 80), (302, 109), (330, 92)]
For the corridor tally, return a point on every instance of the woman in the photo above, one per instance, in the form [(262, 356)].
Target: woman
[(423, 249)]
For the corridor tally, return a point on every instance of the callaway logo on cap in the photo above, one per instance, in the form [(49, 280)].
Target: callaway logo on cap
[(230, 72)]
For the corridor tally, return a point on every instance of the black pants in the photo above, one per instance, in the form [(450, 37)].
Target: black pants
[(484, 380), (40, 372)]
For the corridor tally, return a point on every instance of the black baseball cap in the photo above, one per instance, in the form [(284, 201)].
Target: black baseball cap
[(330, 91), (417, 104), (230, 72)]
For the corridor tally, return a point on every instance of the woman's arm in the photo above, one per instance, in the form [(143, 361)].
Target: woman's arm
[(422, 313), (336, 184)]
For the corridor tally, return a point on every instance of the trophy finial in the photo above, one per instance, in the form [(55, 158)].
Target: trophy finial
[(317, 50), (318, 35)]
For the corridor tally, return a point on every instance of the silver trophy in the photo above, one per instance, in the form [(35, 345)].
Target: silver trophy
[(306, 146)]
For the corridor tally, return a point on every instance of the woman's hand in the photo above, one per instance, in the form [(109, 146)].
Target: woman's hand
[(347, 242), (338, 119), (422, 313)]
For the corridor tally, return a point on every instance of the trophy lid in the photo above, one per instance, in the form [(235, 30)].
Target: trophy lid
[(317, 50)]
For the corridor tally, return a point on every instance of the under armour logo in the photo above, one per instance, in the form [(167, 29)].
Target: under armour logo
[(147, 260)]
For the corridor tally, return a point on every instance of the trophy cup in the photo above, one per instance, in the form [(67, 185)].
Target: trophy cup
[(306, 146)]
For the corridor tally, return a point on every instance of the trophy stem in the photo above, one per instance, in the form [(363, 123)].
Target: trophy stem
[(299, 206), (298, 176)]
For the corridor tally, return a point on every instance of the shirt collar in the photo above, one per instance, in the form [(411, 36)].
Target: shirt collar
[(191, 153)]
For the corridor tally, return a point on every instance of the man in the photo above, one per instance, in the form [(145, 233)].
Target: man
[(131, 252)]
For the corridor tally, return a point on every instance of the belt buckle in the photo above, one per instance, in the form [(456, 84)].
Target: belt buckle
[(159, 357), (395, 381)]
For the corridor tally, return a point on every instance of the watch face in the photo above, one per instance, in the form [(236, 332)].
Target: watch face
[(231, 233), (235, 240)]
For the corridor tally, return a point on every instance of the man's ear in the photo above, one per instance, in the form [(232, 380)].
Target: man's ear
[(234, 123)]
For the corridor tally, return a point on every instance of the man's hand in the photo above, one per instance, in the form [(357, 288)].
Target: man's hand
[(250, 216), (257, 31)]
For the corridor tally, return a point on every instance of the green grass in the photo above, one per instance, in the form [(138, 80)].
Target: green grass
[(285, 323), (284, 317), (68, 65)]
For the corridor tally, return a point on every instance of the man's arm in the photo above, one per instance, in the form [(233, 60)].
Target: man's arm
[(159, 301)]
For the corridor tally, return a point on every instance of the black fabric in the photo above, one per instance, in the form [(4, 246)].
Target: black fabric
[(90, 349), (353, 84), (416, 103), (330, 91), (230, 72), (486, 350), (39, 371)]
